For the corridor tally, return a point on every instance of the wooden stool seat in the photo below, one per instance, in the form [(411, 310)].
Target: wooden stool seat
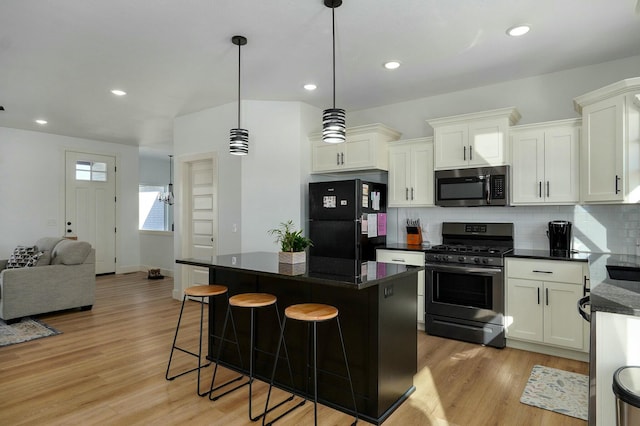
[(205, 290), (252, 300), (311, 312)]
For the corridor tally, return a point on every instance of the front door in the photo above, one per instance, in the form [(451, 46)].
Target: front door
[(90, 205)]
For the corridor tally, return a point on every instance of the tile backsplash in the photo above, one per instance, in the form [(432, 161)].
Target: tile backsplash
[(596, 228)]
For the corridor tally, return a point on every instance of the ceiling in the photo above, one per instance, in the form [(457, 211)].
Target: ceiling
[(59, 59)]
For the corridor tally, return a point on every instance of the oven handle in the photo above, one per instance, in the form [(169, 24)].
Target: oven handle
[(458, 268)]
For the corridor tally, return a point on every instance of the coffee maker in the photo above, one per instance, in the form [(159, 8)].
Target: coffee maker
[(559, 234)]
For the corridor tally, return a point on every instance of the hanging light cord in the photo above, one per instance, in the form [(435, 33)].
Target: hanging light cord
[(239, 85), (333, 21)]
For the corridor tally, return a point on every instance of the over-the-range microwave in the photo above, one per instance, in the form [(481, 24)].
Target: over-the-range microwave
[(481, 186)]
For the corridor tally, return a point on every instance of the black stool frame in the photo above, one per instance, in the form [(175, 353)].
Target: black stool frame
[(199, 354), (315, 373), (229, 314)]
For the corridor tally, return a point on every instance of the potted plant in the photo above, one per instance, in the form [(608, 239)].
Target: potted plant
[(292, 243)]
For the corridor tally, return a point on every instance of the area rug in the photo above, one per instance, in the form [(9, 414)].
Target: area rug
[(557, 390), (24, 331)]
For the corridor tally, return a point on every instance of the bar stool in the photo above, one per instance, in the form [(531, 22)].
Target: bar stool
[(312, 313), (199, 291), (251, 301)]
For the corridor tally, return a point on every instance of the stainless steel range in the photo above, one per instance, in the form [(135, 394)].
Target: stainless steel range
[(464, 282)]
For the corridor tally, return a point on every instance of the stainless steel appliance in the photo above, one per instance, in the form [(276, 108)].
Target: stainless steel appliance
[(347, 220), (464, 282), (483, 186), (559, 234)]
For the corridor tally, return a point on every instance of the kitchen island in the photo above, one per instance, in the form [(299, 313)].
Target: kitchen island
[(377, 304)]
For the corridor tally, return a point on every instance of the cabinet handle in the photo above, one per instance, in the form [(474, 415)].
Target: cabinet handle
[(337, 158), (542, 272), (406, 194), (464, 153), (585, 290), (547, 189), (411, 194), (470, 152), (398, 260), (342, 158), (546, 291), (617, 180), (538, 295), (539, 189)]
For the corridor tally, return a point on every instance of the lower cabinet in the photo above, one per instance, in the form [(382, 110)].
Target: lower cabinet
[(407, 257), (541, 305)]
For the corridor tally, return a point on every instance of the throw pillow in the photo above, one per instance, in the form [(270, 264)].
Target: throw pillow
[(33, 260), (21, 256)]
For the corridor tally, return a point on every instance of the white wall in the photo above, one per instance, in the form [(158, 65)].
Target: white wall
[(32, 190)]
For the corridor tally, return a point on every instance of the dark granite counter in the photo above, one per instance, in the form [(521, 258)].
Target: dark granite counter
[(547, 255), (609, 295), (330, 271), (407, 247)]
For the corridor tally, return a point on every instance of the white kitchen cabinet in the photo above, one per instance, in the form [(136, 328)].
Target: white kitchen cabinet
[(407, 257), (365, 148), (542, 296), (610, 146), (472, 140), (410, 179), (544, 163)]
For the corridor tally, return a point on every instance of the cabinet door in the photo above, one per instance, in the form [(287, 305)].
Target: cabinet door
[(399, 175), (325, 157), (524, 309), (451, 146), (561, 171), (487, 143), (601, 158), (528, 167), (562, 324), (422, 175), (359, 153)]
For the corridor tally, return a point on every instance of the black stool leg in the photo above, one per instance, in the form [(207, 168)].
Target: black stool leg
[(273, 374), (315, 373), (198, 355), (217, 360), (346, 363)]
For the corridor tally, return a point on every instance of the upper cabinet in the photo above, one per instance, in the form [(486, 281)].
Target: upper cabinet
[(365, 149), (545, 163), (472, 140), (610, 146), (411, 173)]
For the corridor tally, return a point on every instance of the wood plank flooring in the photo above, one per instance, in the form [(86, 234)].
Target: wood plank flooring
[(108, 368)]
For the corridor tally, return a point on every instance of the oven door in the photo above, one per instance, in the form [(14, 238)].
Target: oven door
[(465, 292)]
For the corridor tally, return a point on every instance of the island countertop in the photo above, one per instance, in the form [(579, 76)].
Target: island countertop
[(329, 271)]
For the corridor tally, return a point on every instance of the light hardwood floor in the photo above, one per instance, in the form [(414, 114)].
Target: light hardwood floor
[(108, 368)]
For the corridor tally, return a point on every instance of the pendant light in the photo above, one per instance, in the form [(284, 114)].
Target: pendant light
[(333, 119), (239, 140), (167, 197)]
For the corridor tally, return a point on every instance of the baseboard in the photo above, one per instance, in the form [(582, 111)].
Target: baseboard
[(127, 269), (548, 350)]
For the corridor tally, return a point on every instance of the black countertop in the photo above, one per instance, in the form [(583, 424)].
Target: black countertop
[(548, 255), (321, 270)]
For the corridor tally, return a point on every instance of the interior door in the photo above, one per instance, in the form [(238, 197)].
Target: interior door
[(90, 205), (202, 220)]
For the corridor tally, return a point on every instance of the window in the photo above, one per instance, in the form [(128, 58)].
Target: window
[(154, 215), (92, 171)]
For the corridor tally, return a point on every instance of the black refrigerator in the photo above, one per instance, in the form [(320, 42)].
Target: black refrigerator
[(347, 220)]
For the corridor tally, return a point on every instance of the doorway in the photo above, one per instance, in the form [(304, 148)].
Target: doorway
[(90, 205)]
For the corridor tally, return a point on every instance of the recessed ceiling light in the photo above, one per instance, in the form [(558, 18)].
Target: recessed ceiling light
[(310, 86), (392, 65), (41, 122), (118, 92), (518, 30)]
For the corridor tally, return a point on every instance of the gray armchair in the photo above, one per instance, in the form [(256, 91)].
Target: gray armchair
[(67, 281)]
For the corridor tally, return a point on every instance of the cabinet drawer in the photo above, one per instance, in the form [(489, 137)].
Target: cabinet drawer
[(545, 270), (415, 258)]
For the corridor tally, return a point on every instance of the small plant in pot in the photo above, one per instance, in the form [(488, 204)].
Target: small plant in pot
[(292, 243)]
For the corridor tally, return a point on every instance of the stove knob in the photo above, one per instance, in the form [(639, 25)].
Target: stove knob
[(476, 259), (460, 258), (485, 260)]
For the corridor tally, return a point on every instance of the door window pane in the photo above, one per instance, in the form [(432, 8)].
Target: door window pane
[(91, 171)]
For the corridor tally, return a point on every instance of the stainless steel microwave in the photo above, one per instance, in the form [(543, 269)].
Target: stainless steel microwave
[(482, 186)]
